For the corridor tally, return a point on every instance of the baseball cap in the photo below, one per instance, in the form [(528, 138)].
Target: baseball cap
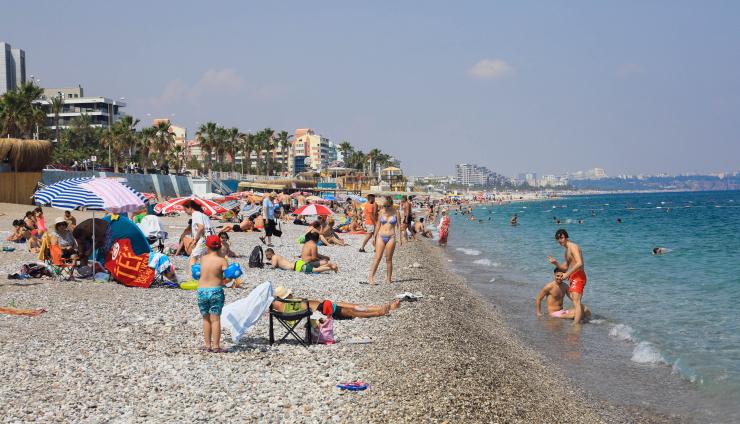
[(213, 241)]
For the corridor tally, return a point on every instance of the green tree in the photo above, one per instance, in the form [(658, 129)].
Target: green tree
[(145, 141), (57, 105), (247, 146), (207, 138), (163, 140), (19, 115), (372, 157), (346, 150), (283, 144), (233, 145), (119, 137)]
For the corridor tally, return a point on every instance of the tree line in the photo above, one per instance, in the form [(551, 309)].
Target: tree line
[(21, 117)]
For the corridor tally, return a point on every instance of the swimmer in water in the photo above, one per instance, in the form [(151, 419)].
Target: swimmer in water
[(659, 250), (555, 291), (580, 221), (619, 220), (514, 220)]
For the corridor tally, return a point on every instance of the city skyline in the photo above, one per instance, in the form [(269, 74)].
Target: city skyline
[(598, 84)]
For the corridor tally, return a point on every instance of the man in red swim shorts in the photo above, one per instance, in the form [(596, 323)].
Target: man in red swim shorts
[(571, 269)]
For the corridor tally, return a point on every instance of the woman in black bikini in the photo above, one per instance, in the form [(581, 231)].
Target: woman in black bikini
[(385, 239)]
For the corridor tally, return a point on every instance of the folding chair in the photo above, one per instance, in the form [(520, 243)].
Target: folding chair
[(295, 310), (63, 268)]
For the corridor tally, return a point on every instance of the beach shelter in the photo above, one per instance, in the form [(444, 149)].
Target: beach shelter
[(313, 209), (175, 205), (330, 197)]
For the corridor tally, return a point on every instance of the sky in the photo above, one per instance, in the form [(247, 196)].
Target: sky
[(547, 87)]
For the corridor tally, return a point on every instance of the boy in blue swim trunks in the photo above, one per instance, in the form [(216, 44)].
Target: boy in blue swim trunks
[(211, 293)]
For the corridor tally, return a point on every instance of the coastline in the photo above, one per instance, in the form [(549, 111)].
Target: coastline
[(108, 352)]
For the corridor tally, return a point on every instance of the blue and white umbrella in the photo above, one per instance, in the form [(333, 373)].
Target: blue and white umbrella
[(72, 194)]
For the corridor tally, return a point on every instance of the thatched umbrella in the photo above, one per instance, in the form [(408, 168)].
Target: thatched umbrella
[(25, 155)]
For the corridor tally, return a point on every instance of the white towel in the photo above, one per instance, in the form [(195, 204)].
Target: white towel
[(238, 316)]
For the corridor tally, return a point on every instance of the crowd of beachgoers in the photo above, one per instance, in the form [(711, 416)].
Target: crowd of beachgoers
[(153, 347)]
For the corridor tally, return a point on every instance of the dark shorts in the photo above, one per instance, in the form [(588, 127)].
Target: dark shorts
[(407, 220), (270, 227), (236, 228)]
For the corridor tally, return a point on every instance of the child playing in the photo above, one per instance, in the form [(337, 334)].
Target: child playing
[(211, 293)]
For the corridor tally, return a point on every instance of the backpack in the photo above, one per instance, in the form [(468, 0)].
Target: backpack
[(256, 258)]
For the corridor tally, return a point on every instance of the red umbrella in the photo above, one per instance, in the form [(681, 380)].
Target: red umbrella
[(175, 205), (313, 209)]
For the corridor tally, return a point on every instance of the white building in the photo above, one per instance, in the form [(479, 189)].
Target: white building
[(471, 175), (103, 112)]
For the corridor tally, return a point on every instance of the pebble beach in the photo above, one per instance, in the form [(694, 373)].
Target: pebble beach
[(105, 352)]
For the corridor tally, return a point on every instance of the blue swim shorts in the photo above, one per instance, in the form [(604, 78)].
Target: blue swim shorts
[(210, 300)]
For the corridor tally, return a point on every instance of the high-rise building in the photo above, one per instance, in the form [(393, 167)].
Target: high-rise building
[(318, 150), (472, 175), (102, 111), (12, 67)]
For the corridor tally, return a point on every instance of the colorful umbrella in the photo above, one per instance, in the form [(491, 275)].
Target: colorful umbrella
[(175, 205), (313, 210), (97, 194)]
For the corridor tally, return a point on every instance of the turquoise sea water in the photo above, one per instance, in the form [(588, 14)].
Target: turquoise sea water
[(674, 315)]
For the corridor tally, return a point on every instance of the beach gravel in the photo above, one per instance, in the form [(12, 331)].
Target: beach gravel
[(105, 352)]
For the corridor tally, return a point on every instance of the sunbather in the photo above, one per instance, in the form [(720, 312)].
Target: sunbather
[(310, 252), (328, 234), (338, 310), (244, 226), (226, 251), (281, 262)]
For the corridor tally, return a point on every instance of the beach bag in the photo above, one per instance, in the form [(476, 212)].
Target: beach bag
[(35, 270), (322, 333), (278, 232), (256, 258)]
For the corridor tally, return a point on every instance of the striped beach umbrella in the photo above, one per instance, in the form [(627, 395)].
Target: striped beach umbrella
[(313, 209), (175, 205), (97, 194)]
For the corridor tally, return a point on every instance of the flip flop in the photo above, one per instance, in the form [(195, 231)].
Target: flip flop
[(262, 239), (353, 386)]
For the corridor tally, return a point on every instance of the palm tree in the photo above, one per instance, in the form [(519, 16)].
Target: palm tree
[(372, 157), (346, 150), (268, 143), (144, 144), (19, 116), (119, 137), (207, 137), (57, 104), (163, 141), (247, 147), (221, 146), (231, 145), (283, 143)]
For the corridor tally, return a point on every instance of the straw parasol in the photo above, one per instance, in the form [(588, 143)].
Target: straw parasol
[(25, 155)]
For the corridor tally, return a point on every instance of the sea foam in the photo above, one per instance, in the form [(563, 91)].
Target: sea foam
[(471, 252), (647, 353), (486, 262), (621, 332)]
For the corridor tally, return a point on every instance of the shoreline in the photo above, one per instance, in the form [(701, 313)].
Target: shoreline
[(108, 352)]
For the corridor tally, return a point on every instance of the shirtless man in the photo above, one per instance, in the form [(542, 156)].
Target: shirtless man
[(405, 211), (281, 262), (420, 229), (310, 252), (338, 310), (211, 293), (571, 269), (555, 292)]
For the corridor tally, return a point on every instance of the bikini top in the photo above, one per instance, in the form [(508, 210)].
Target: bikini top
[(392, 220)]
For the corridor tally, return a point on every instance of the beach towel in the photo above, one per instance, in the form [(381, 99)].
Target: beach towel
[(22, 312), (239, 316), (151, 227)]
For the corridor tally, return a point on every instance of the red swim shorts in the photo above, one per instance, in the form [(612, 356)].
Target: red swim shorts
[(577, 282)]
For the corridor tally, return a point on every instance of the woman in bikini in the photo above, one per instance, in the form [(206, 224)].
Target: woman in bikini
[(385, 239)]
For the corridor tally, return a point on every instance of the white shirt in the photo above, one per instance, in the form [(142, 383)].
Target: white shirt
[(202, 219)]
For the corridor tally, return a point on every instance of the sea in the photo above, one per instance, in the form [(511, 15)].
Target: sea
[(665, 330)]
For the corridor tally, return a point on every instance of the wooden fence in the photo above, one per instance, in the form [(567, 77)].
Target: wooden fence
[(17, 187)]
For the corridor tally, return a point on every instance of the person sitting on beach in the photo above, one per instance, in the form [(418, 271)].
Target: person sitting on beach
[(62, 237), (259, 222), (420, 229), (20, 233), (184, 246), (555, 291), (226, 251), (281, 262), (338, 310), (211, 293), (328, 233), (310, 252), (71, 220), (38, 214)]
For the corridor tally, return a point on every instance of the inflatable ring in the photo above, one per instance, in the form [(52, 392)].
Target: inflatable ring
[(189, 285)]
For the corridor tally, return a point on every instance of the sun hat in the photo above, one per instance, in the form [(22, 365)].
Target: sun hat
[(213, 241), (59, 220), (282, 292)]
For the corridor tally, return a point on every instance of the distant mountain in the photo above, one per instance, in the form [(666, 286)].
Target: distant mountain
[(692, 183)]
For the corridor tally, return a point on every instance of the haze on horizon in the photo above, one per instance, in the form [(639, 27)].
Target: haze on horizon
[(549, 87)]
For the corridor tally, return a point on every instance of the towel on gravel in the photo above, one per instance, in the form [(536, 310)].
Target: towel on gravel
[(24, 312), (238, 316)]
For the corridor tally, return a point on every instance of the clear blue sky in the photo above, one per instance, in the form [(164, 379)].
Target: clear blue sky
[(630, 86)]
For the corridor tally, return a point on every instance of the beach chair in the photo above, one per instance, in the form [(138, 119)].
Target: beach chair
[(63, 268), (295, 310)]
